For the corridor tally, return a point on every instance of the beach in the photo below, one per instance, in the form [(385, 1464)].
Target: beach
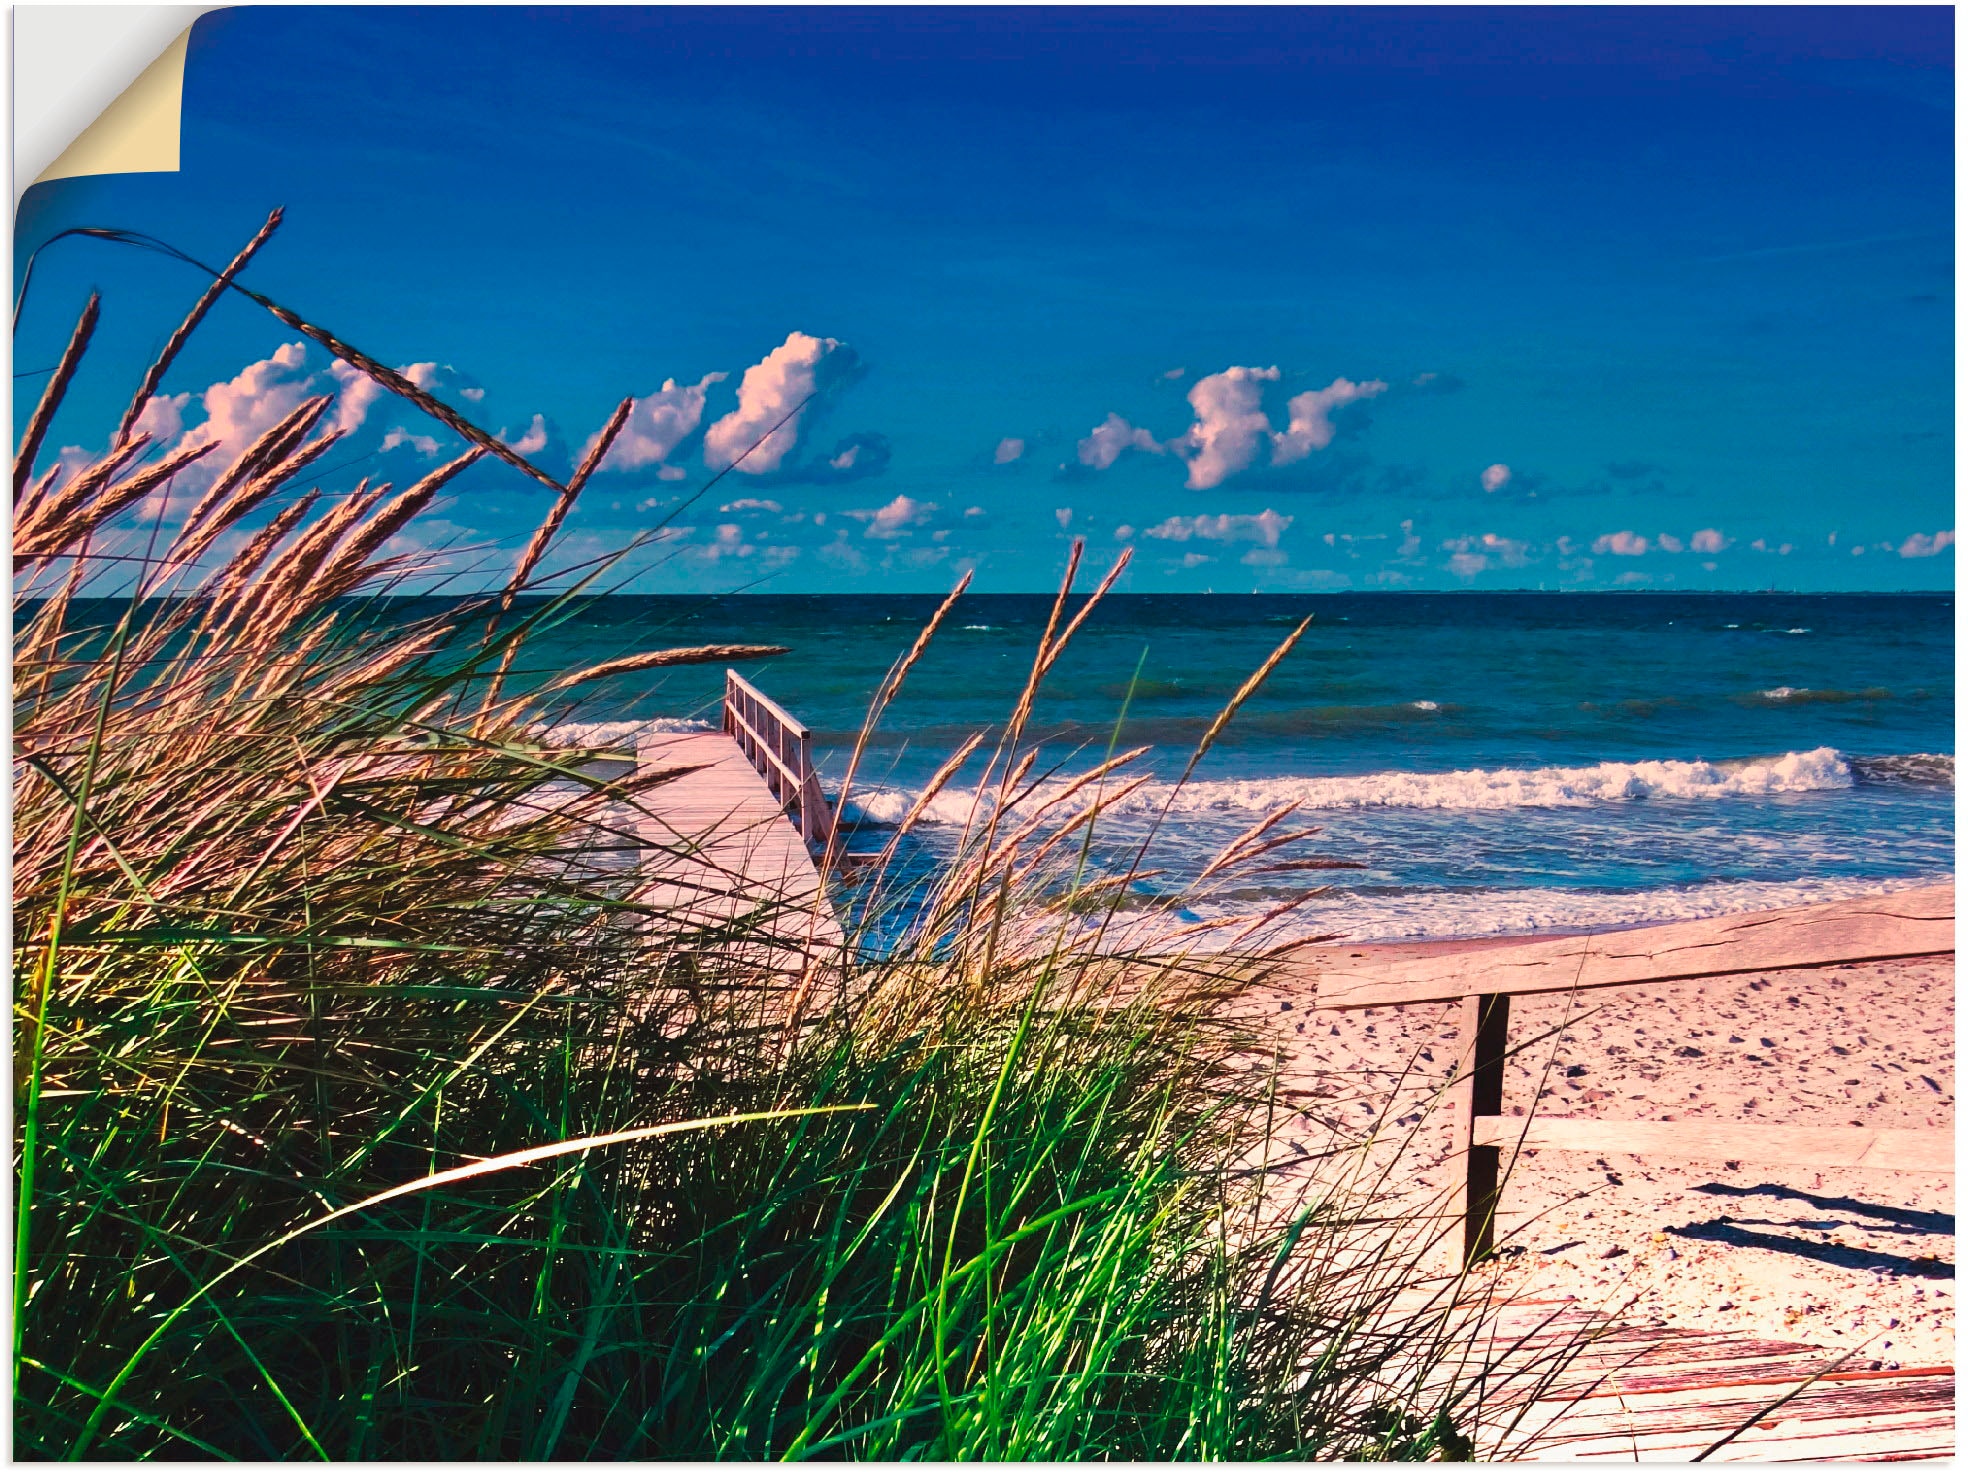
[(1847, 1259)]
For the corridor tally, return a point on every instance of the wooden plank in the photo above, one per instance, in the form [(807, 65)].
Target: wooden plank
[(1728, 1139), (719, 852), (1892, 927)]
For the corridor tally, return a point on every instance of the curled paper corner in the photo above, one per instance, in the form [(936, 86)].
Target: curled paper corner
[(138, 132)]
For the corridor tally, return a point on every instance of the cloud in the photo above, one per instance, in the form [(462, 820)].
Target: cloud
[(1310, 427), (1620, 544), (355, 391), (658, 423), (1265, 527), (1468, 564), (1007, 451), (1473, 554), (244, 407), (750, 503), (1759, 545), (535, 438), (1668, 542), (1264, 557), (1063, 515), (1922, 545), (1708, 539), (162, 417), (423, 444), (1112, 438), (779, 385), (1123, 532), (1196, 559), (1230, 424), (1496, 477), (855, 458), (897, 518), (1174, 374)]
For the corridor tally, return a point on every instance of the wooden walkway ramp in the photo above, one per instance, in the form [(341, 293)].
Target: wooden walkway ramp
[(1650, 1393), (723, 849)]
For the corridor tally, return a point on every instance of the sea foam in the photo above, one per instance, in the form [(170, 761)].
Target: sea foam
[(1819, 770)]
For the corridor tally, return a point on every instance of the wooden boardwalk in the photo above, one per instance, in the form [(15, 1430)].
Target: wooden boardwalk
[(720, 851), (1649, 1393)]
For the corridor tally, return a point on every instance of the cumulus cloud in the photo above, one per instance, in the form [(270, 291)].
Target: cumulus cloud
[(1310, 426), (1008, 450), (1507, 550), (1265, 527), (1196, 559), (1468, 564), (1063, 515), (1230, 424), (1708, 539), (534, 439), (1620, 544), (423, 444), (1112, 438), (244, 407), (658, 423), (162, 417), (1922, 545), (773, 388), (898, 517), (1667, 542), (751, 503), (355, 391), (1496, 477)]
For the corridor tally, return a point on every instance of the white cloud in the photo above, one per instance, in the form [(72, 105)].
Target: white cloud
[(729, 541), (846, 458), (770, 391), (162, 417), (1008, 450), (1173, 374), (1063, 515), (1123, 532), (659, 423), (1410, 543), (1264, 557), (473, 394), (355, 391), (1265, 527), (1496, 477), (896, 518), (535, 438), (1669, 543), (1708, 539), (1620, 544), (1310, 427), (1922, 545), (244, 407), (751, 503), (1112, 437), (1196, 559), (1475, 552), (423, 444), (1230, 424), (1468, 564)]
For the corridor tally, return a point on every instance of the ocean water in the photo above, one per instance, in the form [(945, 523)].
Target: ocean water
[(1478, 764)]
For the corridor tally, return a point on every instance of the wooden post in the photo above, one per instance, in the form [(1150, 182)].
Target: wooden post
[(1485, 1027)]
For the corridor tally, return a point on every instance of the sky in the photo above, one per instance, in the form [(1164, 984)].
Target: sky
[(1283, 299)]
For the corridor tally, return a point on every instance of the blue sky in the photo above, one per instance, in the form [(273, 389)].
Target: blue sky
[(1281, 298)]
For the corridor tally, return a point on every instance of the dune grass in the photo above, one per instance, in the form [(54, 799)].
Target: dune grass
[(360, 1112)]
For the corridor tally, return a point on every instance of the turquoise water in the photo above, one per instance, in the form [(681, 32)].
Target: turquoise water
[(1494, 763)]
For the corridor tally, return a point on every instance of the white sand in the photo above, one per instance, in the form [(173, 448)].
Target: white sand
[(1836, 1258)]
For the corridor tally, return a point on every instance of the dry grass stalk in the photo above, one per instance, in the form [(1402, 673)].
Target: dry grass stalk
[(211, 294), (652, 659), (51, 397)]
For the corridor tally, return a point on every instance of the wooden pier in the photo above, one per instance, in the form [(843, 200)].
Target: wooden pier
[(730, 841)]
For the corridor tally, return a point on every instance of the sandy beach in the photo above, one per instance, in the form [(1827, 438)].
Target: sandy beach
[(1843, 1259)]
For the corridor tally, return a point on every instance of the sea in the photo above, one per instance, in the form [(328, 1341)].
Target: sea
[(1476, 764)]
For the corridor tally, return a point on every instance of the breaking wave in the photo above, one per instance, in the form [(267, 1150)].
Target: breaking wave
[(1819, 770)]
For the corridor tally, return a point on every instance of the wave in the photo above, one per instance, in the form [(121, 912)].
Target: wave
[(1916, 768), (1819, 770), (617, 733), (1804, 695), (1456, 914)]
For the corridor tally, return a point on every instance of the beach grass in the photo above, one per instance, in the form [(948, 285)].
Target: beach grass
[(364, 1110)]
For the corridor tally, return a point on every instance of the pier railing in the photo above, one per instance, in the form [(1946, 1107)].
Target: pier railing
[(1907, 925), (781, 748)]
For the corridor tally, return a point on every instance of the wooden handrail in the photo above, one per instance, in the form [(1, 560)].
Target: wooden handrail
[(781, 749), (1907, 924)]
